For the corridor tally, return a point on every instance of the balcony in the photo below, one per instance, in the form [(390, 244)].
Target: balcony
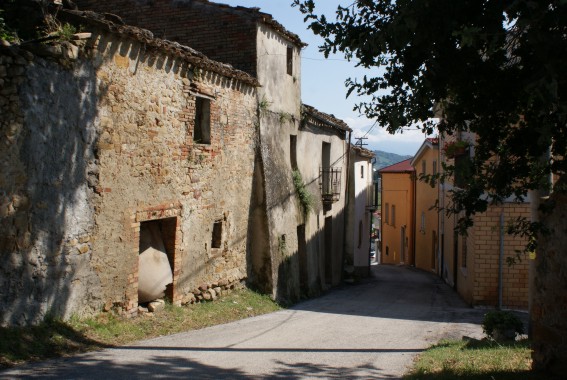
[(330, 184)]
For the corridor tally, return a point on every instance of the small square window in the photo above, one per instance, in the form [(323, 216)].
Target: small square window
[(202, 132)]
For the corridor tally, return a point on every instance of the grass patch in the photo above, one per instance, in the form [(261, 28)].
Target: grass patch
[(474, 360), (55, 338)]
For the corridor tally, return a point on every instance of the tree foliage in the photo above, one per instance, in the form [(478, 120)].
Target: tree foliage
[(495, 68)]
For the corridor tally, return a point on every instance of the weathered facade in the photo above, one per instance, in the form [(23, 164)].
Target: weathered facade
[(362, 201), (398, 213), (425, 163), (134, 132), (290, 253), (476, 263)]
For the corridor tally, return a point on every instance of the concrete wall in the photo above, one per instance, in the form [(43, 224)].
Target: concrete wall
[(426, 236), (359, 218), (280, 90), (398, 190), (101, 146)]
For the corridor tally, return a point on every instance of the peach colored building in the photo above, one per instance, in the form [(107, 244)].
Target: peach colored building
[(425, 162), (398, 215)]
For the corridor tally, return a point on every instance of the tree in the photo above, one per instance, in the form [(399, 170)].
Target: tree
[(495, 68)]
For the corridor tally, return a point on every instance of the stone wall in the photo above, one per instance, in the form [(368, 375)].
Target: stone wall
[(102, 144)]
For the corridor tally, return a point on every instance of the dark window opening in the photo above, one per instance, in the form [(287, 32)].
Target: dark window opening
[(362, 171), (202, 132), (360, 234), (289, 60), (303, 263), (217, 234), (293, 151), (463, 170)]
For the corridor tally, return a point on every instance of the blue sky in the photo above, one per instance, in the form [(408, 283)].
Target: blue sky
[(322, 81)]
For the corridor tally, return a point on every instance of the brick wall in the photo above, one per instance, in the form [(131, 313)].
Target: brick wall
[(484, 250), (222, 33)]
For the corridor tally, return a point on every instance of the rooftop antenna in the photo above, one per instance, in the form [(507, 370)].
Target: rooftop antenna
[(360, 143)]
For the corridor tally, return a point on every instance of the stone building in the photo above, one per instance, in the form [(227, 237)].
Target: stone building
[(106, 142), (282, 239)]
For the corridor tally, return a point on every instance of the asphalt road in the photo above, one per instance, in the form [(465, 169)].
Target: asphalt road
[(371, 330)]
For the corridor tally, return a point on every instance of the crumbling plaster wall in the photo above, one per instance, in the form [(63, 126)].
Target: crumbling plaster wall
[(150, 160), (310, 144), (279, 102), (101, 146), (46, 206)]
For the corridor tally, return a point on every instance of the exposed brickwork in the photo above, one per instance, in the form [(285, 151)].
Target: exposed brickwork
[(111, 146), (193, 23), (484, 249), (477, 278)]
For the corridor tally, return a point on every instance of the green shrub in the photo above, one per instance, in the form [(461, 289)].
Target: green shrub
[(497, 324)]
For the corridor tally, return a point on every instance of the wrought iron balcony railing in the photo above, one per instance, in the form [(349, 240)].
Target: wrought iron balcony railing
[(330, 183)]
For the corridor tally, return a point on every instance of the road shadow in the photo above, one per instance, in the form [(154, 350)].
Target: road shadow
[(172, 367), (397, 292)]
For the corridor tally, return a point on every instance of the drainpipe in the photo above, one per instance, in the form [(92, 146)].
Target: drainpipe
[(501, 261)]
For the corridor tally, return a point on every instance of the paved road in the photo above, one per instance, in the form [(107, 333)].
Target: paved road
[(371, 330)]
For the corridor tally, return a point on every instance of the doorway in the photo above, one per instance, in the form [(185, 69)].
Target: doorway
[(329, 250)]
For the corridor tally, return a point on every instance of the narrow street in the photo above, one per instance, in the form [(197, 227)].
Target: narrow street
[(371, 330)]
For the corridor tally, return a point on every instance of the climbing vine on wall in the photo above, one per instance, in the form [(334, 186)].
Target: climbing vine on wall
[(306, 199)]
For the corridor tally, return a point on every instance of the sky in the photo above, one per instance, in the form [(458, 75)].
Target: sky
[(322, 80)]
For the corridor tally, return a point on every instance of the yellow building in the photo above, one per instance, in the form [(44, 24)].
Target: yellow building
[(425, 162), (398, 215)]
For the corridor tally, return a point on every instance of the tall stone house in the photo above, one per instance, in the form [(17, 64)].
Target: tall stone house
[(398, 213), (362, 201), (475, 264), (121, 139), (254, 42), (426, 163)]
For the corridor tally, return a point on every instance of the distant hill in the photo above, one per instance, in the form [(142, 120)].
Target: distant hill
[(384, 159)]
